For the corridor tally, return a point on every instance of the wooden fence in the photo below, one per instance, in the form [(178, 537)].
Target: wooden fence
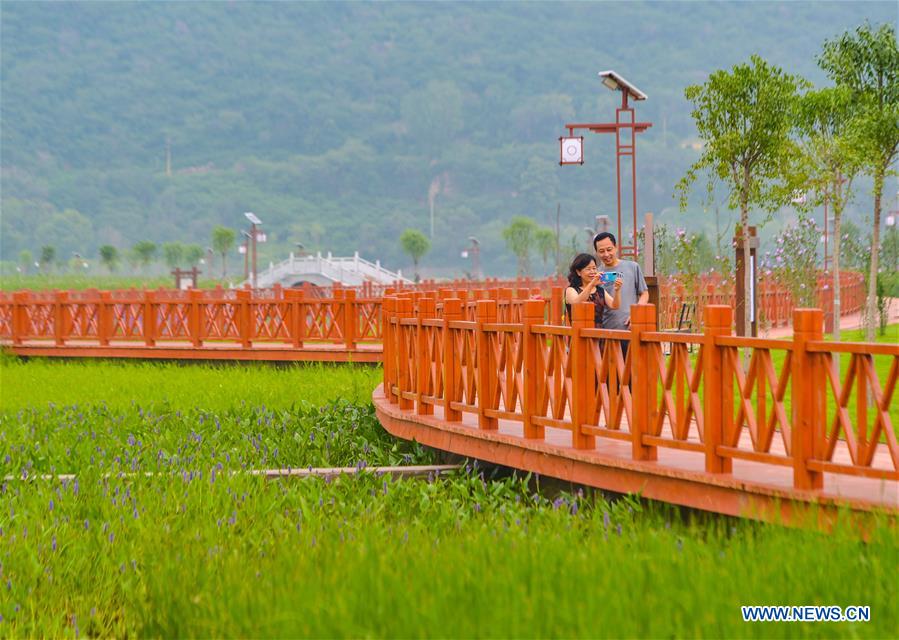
[(790, 406)]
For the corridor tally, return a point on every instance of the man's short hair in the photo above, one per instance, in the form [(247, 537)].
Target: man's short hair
[(603, 236)]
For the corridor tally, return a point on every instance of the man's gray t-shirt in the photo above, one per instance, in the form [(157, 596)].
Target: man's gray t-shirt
[(632, 285)]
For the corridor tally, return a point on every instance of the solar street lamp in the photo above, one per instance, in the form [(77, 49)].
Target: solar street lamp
[(625, 128)]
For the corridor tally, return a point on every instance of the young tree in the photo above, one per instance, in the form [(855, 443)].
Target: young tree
[(223, 241), (173, 253), (109, 256), (193, 253), (546, 244), (867, 63), (145, 251), (25, 260), (520, 236), (416, 244), (48, 255), (831, 162), (744, 118)]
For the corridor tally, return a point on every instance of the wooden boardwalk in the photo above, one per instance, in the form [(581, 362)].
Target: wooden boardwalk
[(753, 489), (748, 427)]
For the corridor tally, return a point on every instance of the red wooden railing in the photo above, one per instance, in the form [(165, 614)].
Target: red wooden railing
[(655, 393), (197, 317), (295, 316)]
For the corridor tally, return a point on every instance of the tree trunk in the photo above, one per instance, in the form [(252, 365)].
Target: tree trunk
[(871, 302), (747, 275), (224, 268)]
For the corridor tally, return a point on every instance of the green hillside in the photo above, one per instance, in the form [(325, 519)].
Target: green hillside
[(332, 121)]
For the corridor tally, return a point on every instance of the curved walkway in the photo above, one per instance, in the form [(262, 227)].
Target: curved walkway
[(753, 490)]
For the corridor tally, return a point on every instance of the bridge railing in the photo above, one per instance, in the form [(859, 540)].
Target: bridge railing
[(196, 317), (791, 406)]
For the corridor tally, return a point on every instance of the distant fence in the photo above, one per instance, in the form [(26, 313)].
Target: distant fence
[(791, 407), (294, 316)]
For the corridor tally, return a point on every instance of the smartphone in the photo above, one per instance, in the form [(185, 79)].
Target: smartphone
[(609, 277)]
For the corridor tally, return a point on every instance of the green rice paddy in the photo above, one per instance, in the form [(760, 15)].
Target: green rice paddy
[(163, 534)]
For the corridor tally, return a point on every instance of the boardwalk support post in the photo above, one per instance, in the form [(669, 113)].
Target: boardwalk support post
[(104, 318), (486, 314), (644, 382), (149, 318), (406, 382), (717, 411), (60, 299), (532, 314), (388, 310), (349, 319), (245, 315), (583, 377), (423, 362), (808, 399), (194, 320), (452, 312)]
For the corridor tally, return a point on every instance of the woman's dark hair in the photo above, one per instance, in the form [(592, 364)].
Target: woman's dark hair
[(580, 262)]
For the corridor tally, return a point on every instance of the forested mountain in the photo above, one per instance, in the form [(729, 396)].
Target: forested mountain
[(334, 121)]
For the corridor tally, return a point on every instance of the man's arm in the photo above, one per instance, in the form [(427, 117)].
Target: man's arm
[(644, 297)]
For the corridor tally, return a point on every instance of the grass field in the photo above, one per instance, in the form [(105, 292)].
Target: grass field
[(200, 549), (69, 282)]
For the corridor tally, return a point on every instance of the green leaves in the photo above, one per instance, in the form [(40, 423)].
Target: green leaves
[(743, 117)]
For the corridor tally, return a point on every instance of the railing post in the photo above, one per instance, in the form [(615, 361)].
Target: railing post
[(297, 312), (426, 311), (405, 367), (149, 318), (716, 376), (582, 375), (486, 314), (807, 390), (104, 320), (555, 306), (61, 298), (452, 312), (349, 319), (532, 314), (245, 316), (388, 308), (194, 321), (644, 383), (19, 316)]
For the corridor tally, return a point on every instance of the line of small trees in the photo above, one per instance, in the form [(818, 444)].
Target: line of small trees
[(141, 254), (769, 135)]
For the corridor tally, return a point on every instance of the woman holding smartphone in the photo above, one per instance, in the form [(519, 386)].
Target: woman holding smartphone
[(584, 282)]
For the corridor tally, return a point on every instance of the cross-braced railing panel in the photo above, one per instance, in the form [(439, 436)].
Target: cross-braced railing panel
[(553, 406), (220, 320), (82, 319), (464, 342), (368, 316), (507, 347), (429, 359), (850, 444), (754, 387), (678, 414), (172, 320), (40, 320), (127, 320), (611, 405), (322, 320), (271, 321)]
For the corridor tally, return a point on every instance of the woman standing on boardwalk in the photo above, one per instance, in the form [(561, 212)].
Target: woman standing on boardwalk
[(584, 282)]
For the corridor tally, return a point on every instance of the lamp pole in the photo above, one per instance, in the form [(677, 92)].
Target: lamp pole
[(254, 223), (625, 129), (245, 250)]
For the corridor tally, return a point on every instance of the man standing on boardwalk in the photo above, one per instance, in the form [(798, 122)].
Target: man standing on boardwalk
[(633, 285)]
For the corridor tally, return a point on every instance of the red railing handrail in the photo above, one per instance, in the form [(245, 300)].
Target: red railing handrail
[(568, 377)]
